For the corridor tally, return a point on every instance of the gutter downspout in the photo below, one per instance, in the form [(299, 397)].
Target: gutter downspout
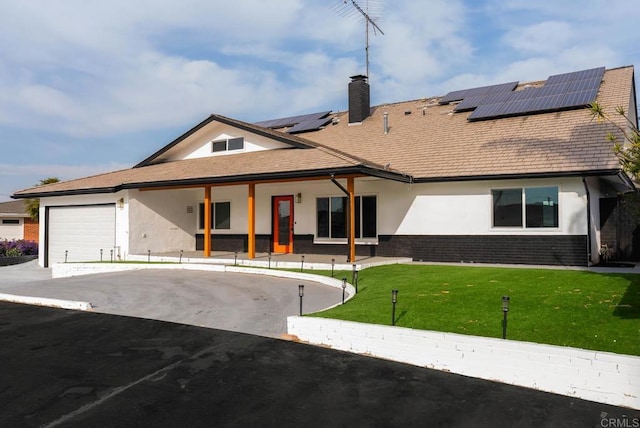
[(347, 211), (586, 189)]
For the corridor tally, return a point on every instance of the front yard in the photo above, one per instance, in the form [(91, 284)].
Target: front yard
[(561, 307)]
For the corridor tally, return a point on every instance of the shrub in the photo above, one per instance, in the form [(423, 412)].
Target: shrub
[(19, 247)]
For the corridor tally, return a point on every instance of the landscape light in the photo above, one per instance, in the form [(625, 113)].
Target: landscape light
[(505, 309), (301, 263), (394, 300), (344, 288), (333, 264), (300, 293)]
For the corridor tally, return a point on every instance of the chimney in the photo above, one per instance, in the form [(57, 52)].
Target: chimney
[(359, 108)]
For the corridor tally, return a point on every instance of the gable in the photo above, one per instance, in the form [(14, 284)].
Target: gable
[(211, 141), (197, 142)]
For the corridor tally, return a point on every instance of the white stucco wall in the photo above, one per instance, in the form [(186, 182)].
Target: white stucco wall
[(200, 144), (160, 222), (122, 217), (11, 231)]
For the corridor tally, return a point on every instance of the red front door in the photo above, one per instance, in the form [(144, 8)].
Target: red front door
[(283, 224)]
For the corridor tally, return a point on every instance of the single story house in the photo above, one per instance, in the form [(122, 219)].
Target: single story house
[(16, 223), (510, 173)]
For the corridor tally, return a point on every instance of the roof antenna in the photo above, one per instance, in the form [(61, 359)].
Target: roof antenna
[(369, 20)]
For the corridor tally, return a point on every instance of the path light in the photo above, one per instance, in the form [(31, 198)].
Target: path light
[(111, 255), (235, 258), (180, 260), (100, 255), (333, 264), (269, 254), (354, 279), (66, 254), (505, 309), (394, 300), (148, 256), (344, 287), (301, 263), (300, 293)]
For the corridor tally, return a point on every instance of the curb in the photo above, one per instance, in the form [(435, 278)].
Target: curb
[(45, 301)]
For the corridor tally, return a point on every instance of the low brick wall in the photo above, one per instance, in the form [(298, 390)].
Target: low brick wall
[(591, 375)]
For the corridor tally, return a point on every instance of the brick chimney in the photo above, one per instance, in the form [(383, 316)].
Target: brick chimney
[(359, 103)]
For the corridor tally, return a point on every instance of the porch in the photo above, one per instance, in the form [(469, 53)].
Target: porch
[(271, 260)]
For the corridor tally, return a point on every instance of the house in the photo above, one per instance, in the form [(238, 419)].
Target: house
[(510, 173), (16, 223)]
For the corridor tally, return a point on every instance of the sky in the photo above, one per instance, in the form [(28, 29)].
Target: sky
[(91, 86)]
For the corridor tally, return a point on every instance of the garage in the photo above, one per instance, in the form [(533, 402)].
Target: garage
[(81, 231)]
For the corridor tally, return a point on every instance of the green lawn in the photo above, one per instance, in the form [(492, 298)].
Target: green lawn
[(561, 307)]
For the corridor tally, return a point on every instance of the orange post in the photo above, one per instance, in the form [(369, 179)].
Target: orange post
[(251, 202), (207, 221), (352, 219)]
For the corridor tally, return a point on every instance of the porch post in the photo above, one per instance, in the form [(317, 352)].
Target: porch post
[(207, 221), (252, 221), (352, 219)]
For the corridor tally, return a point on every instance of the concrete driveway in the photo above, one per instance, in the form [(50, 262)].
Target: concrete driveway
[(247, 303)]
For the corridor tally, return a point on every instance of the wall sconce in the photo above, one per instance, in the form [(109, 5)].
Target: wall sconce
[(298, 198), (121, 203)]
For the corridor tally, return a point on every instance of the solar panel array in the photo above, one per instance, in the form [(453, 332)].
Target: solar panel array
[(302, 123), (475, 92), (560, 92)]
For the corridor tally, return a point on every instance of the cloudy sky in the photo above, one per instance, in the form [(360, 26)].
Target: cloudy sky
[(91, 86)]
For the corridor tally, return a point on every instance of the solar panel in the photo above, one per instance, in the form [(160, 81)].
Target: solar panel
[(472, 92), (291, 120), (562, 91), (309, 125)]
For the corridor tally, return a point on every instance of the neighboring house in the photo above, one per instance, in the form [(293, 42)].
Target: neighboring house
[(15, 223), (510, 173)]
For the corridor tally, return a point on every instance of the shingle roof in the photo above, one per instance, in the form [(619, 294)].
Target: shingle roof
[(425, 141), (13, 209), (441, 144)]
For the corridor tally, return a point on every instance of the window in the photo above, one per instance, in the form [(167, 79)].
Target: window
[(331, 216), (227, 144), (220, 215), (540, 207), (10, 221)]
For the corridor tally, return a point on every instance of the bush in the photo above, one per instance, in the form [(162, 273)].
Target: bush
[(16, 248)]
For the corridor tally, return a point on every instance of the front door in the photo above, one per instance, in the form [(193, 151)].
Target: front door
[(283, 224)]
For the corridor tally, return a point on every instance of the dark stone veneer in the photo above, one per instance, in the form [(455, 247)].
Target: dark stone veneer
[(569, 250)]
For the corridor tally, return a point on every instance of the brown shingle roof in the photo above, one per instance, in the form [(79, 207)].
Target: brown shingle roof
[(426, 141), (13, 209), (440, 143)]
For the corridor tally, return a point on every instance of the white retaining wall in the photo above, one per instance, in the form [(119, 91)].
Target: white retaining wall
[(591, 375)]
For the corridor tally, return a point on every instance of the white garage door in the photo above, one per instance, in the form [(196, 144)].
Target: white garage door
[(82, 231)]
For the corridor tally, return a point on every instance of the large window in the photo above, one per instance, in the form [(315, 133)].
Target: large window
[(220, 215), (332, 217), (227, 144), (533, 207)]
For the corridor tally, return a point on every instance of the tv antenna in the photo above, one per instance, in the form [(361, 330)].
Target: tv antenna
[(373, 9)]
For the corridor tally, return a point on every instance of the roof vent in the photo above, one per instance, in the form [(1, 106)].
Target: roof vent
[(359, 103)]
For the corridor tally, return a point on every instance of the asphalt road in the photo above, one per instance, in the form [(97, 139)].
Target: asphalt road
[(81, 369), (255, 304)]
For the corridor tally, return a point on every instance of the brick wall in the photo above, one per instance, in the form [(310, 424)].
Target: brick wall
[(562, 250), (31, 230)]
